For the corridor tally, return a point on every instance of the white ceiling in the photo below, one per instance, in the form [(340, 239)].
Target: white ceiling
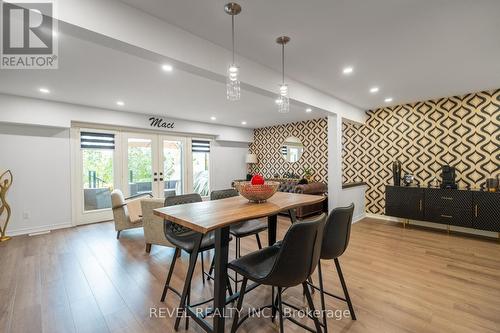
[(412, 49), (96, 75)]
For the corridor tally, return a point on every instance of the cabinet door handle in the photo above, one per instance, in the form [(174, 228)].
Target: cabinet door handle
[(420, 204), (447, 216), (475, 210), (447, 198)]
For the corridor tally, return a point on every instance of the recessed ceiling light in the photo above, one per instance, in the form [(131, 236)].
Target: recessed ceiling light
[(213, 118), (243, 122), (120, 103), (348, 70), (308, 110), (167, 68), (374, 90), (388, 100), (44, 90)]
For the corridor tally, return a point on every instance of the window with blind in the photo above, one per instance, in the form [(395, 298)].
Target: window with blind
[(201, 166), (97, 151)]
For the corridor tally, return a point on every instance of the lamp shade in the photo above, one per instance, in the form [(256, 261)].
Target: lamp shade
[(251, 158)]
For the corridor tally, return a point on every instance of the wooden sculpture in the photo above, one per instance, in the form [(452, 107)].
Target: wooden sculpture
[(5, 183)]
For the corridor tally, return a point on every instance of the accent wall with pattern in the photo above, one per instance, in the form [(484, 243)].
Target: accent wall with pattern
[(461, 131), (268, 142)]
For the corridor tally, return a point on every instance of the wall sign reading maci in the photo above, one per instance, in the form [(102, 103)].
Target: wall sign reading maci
[(160, 123)]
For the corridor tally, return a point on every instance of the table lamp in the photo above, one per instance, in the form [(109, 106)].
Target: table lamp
[(250, 159)]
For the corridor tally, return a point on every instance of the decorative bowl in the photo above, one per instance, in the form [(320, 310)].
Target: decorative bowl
[(257, 193)]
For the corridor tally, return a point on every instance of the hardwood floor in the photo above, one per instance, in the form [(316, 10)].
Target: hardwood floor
[(400, 280)]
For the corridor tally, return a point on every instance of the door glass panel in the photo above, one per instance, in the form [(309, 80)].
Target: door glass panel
[(140, 166), (201, 162), (172, 167), (201, 175), (97, 178)]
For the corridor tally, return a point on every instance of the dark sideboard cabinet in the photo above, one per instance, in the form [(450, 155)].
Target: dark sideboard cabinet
[(463, 208), (453, 207), (406, 204), (487, 211)]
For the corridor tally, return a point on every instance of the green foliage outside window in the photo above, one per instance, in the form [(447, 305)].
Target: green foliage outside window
[(201, 175), (139, 163), (99, 161), (201, 183)]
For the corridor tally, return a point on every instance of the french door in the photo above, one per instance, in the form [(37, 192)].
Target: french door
[(135, 163), (154, 164), (96, 171)]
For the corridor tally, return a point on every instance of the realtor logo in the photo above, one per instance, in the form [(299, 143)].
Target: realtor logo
[(28, 31)]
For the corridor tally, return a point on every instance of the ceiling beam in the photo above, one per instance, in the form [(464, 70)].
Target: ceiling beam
[(124, 23)]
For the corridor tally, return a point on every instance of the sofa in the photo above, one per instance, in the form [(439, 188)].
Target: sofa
[(292, 185), (315, 188)]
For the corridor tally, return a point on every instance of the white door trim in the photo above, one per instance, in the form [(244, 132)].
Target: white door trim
[(79, 216)]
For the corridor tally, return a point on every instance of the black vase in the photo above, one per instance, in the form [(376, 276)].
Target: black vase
[(396, 173)]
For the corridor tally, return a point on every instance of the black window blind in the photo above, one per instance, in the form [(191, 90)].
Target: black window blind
[(200, 146), (92, 140)]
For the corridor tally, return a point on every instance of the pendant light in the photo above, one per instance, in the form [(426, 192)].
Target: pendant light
[(283, 100), (233, 90)]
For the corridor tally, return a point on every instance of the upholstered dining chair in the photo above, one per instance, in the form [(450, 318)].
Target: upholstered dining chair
[(336, 236), (126, 213), (240, 230), (153, 225), (189, 241), (285, 264)]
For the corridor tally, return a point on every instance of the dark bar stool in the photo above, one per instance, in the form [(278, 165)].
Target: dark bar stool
[(240, 230), (283, 265), (189, 241), (336, 236)]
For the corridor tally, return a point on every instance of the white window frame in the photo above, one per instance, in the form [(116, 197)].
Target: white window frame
[(79, 215)]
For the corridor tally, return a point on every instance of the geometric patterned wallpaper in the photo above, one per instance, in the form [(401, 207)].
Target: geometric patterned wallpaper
[(268, 141), (462, 131), (353, 159)]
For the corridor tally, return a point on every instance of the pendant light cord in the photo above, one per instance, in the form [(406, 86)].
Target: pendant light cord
[(283, 63), (232, 29)]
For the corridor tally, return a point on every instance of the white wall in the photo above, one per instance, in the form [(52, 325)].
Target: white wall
[(39, 158), (354, 195), (23, 110), (35, 146), (228, 163)]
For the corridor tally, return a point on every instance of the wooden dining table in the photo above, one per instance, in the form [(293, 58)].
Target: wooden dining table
[(218, 216)]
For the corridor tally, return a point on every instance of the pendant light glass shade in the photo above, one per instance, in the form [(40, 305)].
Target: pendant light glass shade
[(233, 90), (283, 101)]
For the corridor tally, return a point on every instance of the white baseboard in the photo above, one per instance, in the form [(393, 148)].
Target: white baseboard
[(358, 218), (383, 217), (39, 233), (38, 229), (436, 226)]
